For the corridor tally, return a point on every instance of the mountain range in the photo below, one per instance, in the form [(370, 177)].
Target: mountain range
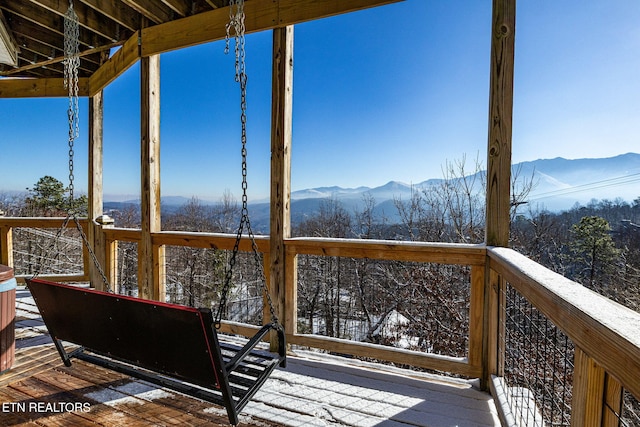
[(558, 185)]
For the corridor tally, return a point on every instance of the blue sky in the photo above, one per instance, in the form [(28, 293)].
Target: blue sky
[(390, 93)]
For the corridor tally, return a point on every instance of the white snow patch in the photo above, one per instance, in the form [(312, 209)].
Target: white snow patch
[(134, 392)]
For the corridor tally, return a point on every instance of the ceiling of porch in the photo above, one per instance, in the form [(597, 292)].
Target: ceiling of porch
[(36, 29)]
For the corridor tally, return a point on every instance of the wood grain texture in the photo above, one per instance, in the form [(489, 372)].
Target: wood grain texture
[(280, 200), (588, 391), (95, 185), (39, 88), (500, 123), (260, 16), (120, 62), (149, 285), (6, 245)]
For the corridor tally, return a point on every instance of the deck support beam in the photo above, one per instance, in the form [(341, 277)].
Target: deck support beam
[(95, 179), (280, 218), (151, 266), (498, 162)]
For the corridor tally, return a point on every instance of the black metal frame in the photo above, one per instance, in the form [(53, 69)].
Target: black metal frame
[(168, 345)]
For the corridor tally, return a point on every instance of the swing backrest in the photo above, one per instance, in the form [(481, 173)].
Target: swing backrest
[(174, 340)]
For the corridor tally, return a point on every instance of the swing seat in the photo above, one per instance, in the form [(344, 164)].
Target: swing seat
[(166, 344)]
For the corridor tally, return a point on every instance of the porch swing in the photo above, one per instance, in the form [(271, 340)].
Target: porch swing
[(166, 344)]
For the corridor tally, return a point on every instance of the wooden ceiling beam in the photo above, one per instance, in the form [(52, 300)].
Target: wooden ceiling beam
[(87, 17), (28, 44), (39, 88), (57, 60), (153, 10), (24, 12), (116, 11), (260, 15), (180, 7), (124, 58), (216, 3), (44, 52), (33, 51), (48, 29)]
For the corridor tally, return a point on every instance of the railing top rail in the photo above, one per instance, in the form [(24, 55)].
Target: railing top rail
[(208, 240), (36, 222), (333, 241), (605, 330), (444, 253)]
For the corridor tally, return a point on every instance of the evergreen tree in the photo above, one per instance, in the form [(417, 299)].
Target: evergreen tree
[(593, 251), (47, 198)]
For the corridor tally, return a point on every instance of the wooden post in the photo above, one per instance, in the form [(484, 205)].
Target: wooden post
[(497, 323), (476, 316), (498, 164), (597, 396), (500, 117), (613, 402), (111, 264), (96, 141), (150, 259), (588, 391), (281, 124), (6, 246)]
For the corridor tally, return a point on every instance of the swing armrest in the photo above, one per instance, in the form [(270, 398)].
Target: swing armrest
[(250, 345)]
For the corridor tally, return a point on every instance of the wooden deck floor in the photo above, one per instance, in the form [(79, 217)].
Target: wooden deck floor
[(314, 390)]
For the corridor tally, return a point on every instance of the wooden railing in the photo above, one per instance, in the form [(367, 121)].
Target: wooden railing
[(7, 224), (606, 335)]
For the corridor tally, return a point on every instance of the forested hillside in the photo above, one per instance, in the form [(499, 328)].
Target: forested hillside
[(597, 245)]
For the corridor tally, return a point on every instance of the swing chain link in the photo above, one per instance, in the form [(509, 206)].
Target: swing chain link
[(92, 254), (71, 67), (236, 22)]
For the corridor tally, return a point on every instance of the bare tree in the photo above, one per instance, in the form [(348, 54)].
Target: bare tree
[(195, 272), (225, 214)]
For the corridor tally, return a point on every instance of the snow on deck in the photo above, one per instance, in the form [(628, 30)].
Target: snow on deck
[(314, 390)]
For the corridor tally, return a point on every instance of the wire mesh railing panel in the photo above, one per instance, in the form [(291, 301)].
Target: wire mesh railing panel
[(195, 277), (630, 416), (538, 364), (127, 268), (417, 306), (47, 251)]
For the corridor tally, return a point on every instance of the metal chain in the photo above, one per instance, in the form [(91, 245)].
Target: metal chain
[(92, 254), (47, 252), (56, 239), (71, 67), (236, 22)]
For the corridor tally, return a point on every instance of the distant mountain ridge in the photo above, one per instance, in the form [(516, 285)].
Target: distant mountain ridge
[(569, 181), (560, 183)]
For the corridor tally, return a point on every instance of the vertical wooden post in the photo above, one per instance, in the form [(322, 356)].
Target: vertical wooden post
[(597, 396), (500, 118), (497, 323), (96, 141), (476, 316), (150, 259), (111, 264), (588, 391), (498, 161), (613, 402), (6, 246), (281, 125)]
